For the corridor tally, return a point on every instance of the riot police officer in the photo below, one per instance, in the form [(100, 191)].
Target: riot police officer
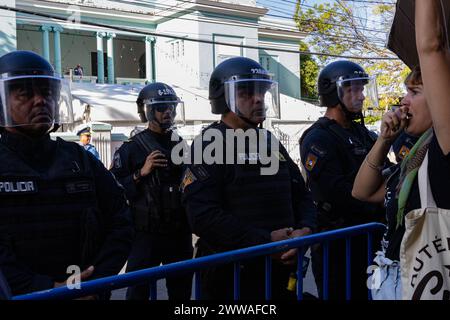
[(332, 150), (59, 207), (143, 166), (232, 204)]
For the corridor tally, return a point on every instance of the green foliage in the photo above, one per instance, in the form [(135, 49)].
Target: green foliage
[(322, 24), (371, 119), (309, 71), (334, 28)]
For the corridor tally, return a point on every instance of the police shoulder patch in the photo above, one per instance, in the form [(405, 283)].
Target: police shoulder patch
[(404, 151), (310, 162), (188, 178)]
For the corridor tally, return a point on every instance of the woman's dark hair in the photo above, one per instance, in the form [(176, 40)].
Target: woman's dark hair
[(414, 77)]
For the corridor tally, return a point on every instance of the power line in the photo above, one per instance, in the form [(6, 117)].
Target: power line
[(326, 10), (349, 39), (229, 21), (332, 24), (371, 2), (162, 35), (233, 22), (284, 17), (306, 20)]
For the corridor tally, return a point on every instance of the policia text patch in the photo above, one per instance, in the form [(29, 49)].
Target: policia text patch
[(17, 187)]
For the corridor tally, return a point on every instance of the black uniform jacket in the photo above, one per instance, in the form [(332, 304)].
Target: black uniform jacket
[(233, 205)]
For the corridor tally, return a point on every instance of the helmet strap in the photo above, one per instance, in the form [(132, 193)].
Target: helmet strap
[(163, 126), (246, 120), (352, 116)]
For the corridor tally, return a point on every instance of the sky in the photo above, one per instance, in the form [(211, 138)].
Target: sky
[(285, 8)]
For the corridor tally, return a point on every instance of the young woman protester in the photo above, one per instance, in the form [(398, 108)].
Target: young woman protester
[(415, 250)]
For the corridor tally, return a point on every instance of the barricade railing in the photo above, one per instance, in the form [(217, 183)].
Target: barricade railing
[(151, 275)]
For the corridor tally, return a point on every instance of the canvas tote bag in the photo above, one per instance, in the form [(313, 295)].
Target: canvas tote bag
[(425, 248)]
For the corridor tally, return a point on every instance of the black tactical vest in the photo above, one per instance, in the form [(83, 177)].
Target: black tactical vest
[(48, 220), (158, 207), (264, 201)]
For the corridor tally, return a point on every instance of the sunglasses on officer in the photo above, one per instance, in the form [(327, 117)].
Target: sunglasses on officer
[(164, 107)]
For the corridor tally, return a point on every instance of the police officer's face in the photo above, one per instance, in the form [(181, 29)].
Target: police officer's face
[(354, 97), (32, 105), (419, 117), (251, 104), (165, 113), (85, 139)]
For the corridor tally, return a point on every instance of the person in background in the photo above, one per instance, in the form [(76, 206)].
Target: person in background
[(78, 71), (85, 139)]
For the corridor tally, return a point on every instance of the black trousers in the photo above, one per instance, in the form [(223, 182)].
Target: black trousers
[(217, 282), (150, 250)]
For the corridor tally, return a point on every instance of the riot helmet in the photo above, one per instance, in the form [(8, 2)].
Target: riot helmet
[(346, 83), (33, 98), (159, 97), (243, 86)]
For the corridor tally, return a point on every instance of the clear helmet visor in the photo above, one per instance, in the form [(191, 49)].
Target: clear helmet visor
[(254, 99), (35, 100), (166, 111), (358, 93)]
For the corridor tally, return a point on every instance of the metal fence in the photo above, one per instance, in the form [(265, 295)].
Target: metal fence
[(235, 256)]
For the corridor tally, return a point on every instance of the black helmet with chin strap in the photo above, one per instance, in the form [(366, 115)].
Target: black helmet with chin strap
[(27, 74), (154, 96), (336, 76), (234, 74)]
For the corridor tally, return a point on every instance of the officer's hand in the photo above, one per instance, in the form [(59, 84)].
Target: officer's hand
[(288, 258), (83, 276), (279, 235), (156, 159), (392, 124)]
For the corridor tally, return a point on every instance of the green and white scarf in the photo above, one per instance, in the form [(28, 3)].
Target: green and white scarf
[(409, 168)]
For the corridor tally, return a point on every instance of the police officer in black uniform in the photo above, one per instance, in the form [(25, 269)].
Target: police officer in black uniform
[(332, 150), (143, 166), (233, 204), (59, 206)]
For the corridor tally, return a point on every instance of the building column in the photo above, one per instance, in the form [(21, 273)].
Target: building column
[(149, 51), (57, 42), (110, 45), (100, 64), (46, 41)]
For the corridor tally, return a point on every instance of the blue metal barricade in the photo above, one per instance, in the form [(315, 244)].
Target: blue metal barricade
[(194, 265)]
